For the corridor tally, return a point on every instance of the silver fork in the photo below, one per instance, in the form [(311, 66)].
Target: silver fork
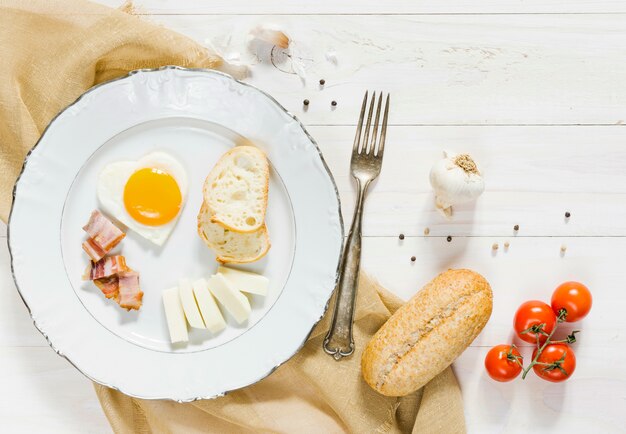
[(367, 159)]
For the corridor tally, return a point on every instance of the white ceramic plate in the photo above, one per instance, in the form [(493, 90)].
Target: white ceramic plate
[(194, 115)]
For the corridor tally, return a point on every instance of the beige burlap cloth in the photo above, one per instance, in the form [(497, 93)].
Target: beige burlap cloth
[(54, 50)]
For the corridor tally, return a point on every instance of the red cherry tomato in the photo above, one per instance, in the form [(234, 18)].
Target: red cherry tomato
[(503, 363), (532, 314), (575, 298), (561, 362)]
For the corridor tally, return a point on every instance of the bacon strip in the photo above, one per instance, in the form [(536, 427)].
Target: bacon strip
[(104, 235), (130, 294), (109, 286), (106, 267), (94, 251)]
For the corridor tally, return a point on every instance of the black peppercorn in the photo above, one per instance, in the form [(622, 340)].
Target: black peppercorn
[(305, 102), (322, 82), (334, 103), (449, 238), (413, 258), (567, 215), (516, 228), (401, 236)]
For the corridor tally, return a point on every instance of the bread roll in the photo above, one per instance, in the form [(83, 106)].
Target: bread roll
[(427, 333)]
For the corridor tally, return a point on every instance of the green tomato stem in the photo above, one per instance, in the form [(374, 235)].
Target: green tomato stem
[(560, 318)]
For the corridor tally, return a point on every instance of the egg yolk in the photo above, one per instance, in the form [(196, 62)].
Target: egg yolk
[(152, 197)]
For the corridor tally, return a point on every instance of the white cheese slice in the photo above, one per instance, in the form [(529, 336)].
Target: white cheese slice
[(211, 314), (192, 312), (175, 316), (234, 301), (245, 281)]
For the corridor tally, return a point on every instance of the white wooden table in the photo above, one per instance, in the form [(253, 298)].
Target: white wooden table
[(534, 89)]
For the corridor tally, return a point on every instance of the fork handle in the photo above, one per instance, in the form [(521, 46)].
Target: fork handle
[(339, 342)]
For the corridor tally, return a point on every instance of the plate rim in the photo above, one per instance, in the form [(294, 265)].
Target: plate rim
[(239, 82)]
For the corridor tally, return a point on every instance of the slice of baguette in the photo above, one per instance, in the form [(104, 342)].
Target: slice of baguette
[(235, 191), (229, 246)]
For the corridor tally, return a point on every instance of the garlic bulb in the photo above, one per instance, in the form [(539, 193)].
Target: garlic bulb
[(456, 179)]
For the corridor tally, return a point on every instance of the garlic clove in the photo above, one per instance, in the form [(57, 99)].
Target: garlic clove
[(443, 208), (271, 34)]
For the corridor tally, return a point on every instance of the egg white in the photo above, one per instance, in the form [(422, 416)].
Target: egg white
[(112, 181)]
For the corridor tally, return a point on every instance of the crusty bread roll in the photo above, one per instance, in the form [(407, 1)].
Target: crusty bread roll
[(427, 333)]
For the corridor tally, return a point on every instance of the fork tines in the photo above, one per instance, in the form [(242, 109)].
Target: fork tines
[(369, 146)]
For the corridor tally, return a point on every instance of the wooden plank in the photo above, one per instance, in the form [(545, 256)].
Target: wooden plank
[(276, 7), (533, 176), (530, 269), (440, 69), (42, 392), (64, 401)]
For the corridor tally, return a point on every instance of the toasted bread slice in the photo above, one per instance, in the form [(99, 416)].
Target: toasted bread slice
[(235, 191), (230, 246)]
